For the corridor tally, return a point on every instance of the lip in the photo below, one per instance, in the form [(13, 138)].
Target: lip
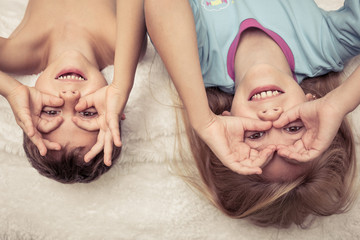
[(263, 89), (69, 71)]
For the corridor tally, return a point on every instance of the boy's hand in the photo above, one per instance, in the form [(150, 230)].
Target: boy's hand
[(107, 102), (27, 104), (225, 137), (96, 100), (115, 104), (322, 122)]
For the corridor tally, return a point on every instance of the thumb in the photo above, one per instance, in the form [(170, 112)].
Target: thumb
[(255, 124), (287, 117), (52, 101), (85, 102)]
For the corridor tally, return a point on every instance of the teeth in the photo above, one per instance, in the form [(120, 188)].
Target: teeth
[(72, 76), (265, 94)]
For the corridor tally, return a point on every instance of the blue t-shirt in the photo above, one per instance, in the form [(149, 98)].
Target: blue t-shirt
[(314, 41)]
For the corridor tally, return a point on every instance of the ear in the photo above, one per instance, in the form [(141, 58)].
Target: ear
[(310, 97), (226, 113)]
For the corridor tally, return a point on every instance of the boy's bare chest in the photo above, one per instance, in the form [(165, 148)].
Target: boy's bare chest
[(44, 19)]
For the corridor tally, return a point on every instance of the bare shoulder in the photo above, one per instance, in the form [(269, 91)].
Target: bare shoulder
[(20, 55)]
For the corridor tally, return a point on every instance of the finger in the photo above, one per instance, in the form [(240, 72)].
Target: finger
[(28, 126), (108, 149), (85, 102), (264, 156), (287, 117), (113, 124), (296, 154), (38, 141), (50, 100), (245, 170), (226, 113), (242, 167), (82, 104), (255, 124), (46, 126), (88, 125), (52, 145), (97, 148)]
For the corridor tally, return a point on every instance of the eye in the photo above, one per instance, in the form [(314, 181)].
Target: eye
[(51, 112), (89, 113), (254, 135), (294, 127)]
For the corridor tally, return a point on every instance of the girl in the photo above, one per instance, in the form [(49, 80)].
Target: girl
[(75, 41), (255, 50)]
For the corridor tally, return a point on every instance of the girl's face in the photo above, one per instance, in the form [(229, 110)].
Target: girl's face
[(70, 77), (265, 93)]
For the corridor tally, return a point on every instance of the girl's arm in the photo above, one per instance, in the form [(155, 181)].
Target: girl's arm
[(346, 97), (171, 27), (129, 43)]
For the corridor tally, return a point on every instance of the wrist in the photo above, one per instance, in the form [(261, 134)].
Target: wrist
[(346, 97), (201, 120), (7, 85)]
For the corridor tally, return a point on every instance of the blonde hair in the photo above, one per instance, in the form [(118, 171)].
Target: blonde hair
[(326, 189)]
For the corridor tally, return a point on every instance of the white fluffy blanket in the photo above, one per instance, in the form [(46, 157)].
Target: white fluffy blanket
[(139, 198)]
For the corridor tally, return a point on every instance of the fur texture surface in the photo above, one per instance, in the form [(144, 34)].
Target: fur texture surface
[(139, 198)]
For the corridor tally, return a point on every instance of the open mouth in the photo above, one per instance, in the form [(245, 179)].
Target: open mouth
[(71, 76), (264, 93)]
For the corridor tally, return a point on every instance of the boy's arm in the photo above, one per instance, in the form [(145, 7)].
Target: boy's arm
[(129, 41), (21, 56), (7, 84)]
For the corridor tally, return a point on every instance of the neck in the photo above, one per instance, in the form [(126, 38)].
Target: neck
[(257, 48), (73, 40)]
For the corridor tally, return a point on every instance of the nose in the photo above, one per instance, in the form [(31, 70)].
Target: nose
[(270, 114), (71, 96)]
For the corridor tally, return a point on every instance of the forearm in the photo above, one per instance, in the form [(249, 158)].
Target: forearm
[(347, 96), (7, 84), (172, 29), (129, 40)]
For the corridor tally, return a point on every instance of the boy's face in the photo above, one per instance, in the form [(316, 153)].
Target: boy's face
[(265, 94), (70, 77)]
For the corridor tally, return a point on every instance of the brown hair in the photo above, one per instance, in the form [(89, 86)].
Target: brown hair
[(326, 189), (68, 165)]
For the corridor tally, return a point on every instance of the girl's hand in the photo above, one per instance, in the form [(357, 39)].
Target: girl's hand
[(27, 104), (321, 120), (225, 137)]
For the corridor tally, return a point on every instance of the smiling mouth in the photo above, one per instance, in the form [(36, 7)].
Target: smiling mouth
[(265, 94), (71, 76)]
